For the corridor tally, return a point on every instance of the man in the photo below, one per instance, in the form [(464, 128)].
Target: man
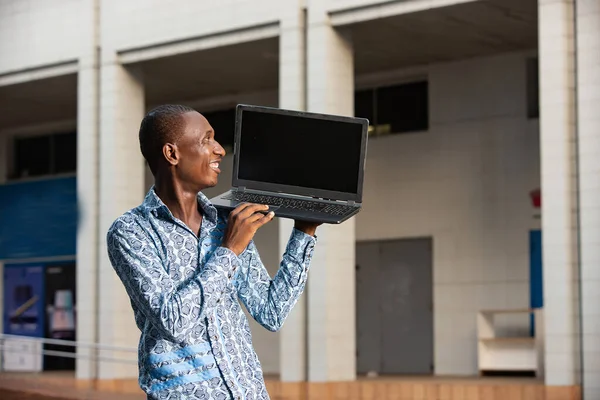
[(185, 265)]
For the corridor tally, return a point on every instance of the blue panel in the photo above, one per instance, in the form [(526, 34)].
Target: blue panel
[(38, 219), (535, 273), (24, 300)]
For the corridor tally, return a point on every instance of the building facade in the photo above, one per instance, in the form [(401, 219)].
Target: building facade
[(475, 106)]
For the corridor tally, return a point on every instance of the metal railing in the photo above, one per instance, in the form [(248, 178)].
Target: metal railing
[(96, 348)]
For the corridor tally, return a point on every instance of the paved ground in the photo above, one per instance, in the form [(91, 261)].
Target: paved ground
[(10, 395), (15, 386), (61, 386)]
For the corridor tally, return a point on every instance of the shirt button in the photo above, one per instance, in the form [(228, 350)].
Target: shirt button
[(229, 275), (214, 338)]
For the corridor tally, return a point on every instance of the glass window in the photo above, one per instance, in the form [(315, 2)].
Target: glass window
[(533, 88), (223, 122), (44, 155), (394, 109)]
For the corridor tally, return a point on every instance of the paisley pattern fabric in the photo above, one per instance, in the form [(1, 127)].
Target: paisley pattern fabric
[(186, 290)]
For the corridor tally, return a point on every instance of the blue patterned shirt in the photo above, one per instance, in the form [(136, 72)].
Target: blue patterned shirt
[(184, 289)]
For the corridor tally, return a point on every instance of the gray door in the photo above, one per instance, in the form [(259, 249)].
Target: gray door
[(368, 311), (394, 306)]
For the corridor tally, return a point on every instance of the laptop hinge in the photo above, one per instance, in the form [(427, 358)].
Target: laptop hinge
[(351, 202), (241, 188)]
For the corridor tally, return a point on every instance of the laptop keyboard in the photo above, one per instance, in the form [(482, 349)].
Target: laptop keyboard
[(286, 202)]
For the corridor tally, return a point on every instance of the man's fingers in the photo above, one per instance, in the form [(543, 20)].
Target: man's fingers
[(239, 209), (251, 209), (255, 217), (264, 219)]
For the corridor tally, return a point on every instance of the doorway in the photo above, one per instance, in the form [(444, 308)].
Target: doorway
[(394, 284)]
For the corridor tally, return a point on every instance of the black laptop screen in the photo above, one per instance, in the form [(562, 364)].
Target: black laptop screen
[(299, 151)]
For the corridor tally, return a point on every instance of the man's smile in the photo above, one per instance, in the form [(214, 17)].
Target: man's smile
[(215, 166)]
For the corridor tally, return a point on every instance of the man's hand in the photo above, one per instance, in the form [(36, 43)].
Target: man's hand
[(310, 228), (243, 223)]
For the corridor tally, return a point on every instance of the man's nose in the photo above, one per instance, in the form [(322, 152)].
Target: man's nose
[(219, 150)]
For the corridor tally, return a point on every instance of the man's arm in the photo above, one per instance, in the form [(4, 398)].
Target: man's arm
[(173, 310), (269, 301)]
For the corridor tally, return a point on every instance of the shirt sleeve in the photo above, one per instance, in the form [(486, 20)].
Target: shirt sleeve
[(174, 310), (269, 301)]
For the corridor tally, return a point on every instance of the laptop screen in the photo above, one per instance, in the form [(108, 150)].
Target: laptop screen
[(300, 151)]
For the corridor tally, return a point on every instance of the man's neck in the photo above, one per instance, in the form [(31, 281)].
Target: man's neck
[(181, 201)]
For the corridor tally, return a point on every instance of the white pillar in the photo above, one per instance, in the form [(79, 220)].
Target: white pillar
[(87, 188), (588, 106), (331, 294), (121, 188), (292, 95), (559, 200)]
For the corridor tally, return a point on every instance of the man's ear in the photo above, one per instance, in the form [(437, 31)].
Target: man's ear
[(171, 153)]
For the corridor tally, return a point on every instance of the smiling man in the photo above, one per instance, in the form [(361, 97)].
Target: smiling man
[(186, 268)]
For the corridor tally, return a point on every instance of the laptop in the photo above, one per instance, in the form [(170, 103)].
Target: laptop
[(304, 166)]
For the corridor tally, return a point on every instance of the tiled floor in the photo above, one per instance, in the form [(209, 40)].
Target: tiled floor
[(47, 386)]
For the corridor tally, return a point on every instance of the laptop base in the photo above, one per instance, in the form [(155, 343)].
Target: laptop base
[(289, 206)]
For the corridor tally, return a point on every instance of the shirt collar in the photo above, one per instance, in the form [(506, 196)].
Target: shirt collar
[(154, 204)]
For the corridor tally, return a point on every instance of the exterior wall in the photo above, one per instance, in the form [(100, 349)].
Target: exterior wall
[(465, 183), (350, 5), (31, 29), (121, 187), (561, 241), (292, 95), (588, 30), (88, 173), (331, 285), (158, 22)]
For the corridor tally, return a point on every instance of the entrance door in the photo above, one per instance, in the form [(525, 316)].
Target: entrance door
[(394, 306)]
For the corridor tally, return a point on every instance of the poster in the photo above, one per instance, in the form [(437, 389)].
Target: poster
[(24, 300), (60, 299)]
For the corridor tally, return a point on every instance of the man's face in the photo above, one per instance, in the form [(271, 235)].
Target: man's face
[(199, 153)]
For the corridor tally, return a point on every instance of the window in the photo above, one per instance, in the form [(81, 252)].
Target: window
[(533, 88), (44, 155), (223, 122), (394, 109)]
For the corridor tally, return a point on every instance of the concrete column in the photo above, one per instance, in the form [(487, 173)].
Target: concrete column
[(331, 295), (588, 106), (3, 176), (87, 189), (292, 95), (559, 200), (121, 188)]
